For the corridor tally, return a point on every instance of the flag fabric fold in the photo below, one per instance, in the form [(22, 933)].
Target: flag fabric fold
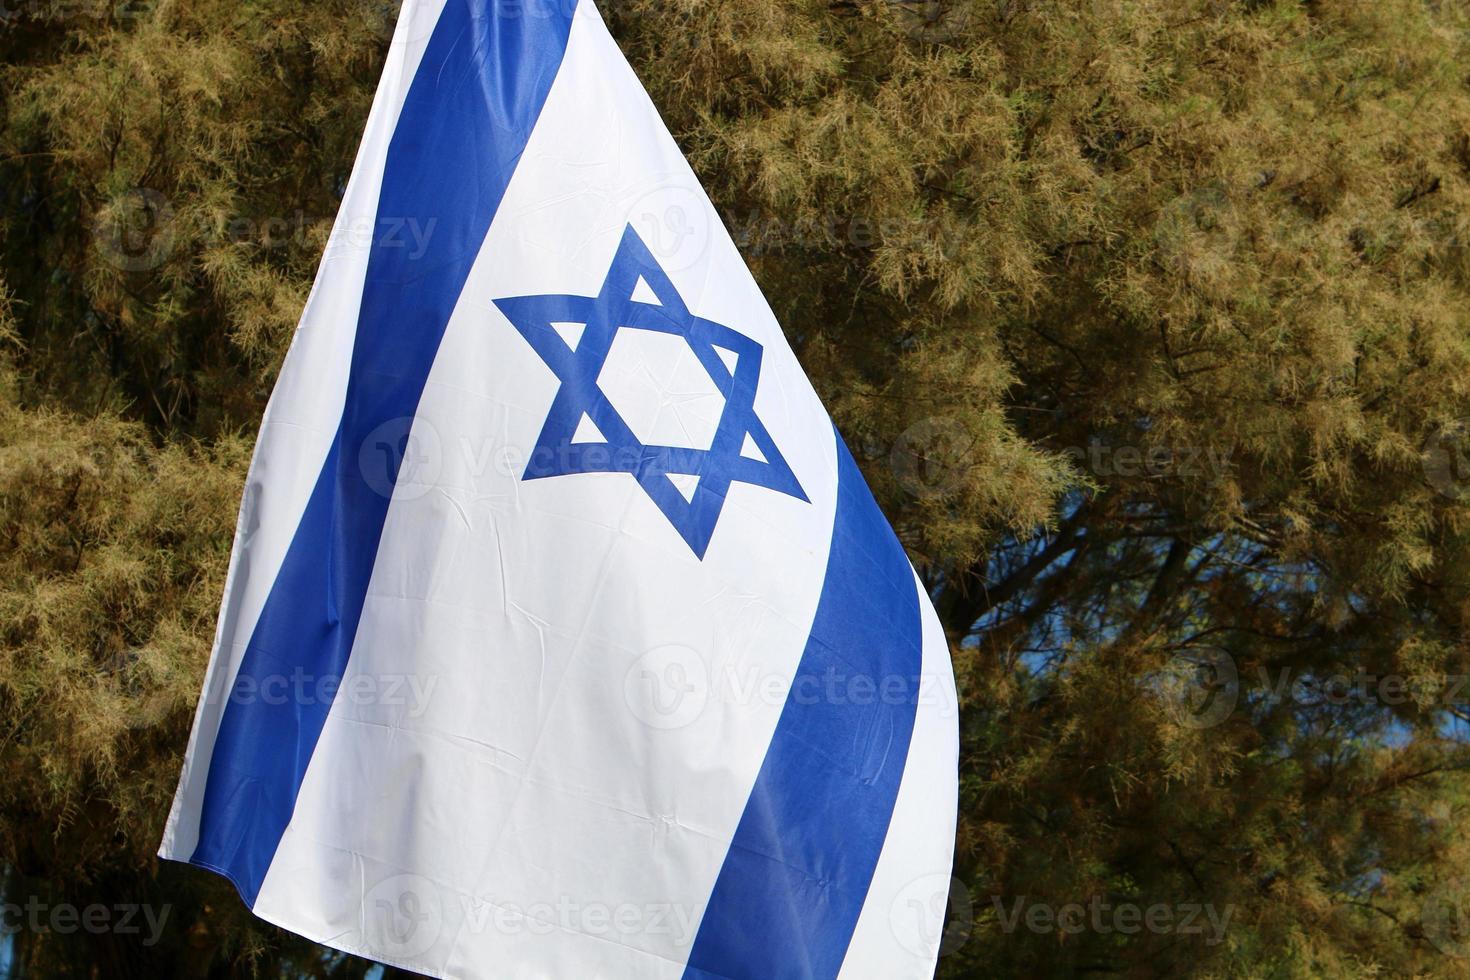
[(562, 636)]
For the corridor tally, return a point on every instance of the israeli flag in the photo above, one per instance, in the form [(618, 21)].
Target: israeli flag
[(562, 637)]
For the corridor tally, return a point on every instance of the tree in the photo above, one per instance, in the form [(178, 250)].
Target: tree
[(1147, 321)]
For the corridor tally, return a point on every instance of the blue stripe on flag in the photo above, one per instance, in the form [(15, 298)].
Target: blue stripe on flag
[(788, 896), (477, 94)]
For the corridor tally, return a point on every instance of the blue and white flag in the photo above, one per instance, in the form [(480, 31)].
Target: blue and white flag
[(562, 637)]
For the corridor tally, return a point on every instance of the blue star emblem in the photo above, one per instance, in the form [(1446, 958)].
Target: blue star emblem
[(573, 335)]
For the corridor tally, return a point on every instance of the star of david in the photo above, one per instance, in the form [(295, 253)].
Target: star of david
[(584, 432)]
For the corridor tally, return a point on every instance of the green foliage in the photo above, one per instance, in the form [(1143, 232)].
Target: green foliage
[(1150, 322), (112, 561)]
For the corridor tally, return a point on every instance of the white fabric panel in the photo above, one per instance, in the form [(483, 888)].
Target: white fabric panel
[(300, 420), (898, 932), (599, 700)]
